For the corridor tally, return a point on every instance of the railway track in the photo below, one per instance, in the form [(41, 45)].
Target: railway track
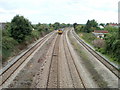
[(63, 65), (73, 78), (74, 71), (59, 69), (111, 67), (9, 70), (52, 81)]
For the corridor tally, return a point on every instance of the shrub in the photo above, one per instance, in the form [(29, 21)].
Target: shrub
[(99, 43), (35, 34), (8, 46)]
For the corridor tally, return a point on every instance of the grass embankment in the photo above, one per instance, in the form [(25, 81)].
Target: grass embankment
[(88, 37), (11, 47), (98, 45), (87, 63)]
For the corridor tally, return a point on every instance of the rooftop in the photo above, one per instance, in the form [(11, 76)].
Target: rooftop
[(100, 31)]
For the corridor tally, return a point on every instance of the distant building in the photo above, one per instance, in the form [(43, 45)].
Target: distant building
[(100, 33), (113, 24), (101, 27), (2, 25)]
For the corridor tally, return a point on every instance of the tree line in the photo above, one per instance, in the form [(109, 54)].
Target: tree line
[(21, 27), (90, 26), (20, 32)]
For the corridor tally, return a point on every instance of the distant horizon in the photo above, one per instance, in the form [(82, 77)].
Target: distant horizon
[(63, 22)]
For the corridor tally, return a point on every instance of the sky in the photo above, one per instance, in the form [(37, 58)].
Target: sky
[(63, 11)]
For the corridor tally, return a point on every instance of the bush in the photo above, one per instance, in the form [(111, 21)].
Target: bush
[(113, 46), (89, 37), (102, 50), (8, 47), (35, 34), (99, 43)]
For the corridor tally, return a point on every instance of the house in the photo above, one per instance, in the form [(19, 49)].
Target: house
[(113, 24), (101, 27), (100, 33)]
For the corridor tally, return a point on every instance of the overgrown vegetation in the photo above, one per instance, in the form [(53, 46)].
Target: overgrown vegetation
[(20, 32), (90, 26), (89, 37), (109, 45), (113, 45)]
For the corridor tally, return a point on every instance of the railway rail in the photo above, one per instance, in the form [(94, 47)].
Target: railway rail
[(10, 69), (59, 69), (70, 60), (52, 81), (111, 67)]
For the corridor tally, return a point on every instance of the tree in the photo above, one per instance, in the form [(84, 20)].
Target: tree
[(102, 24), (20, 28), (78, 28), (56, 25), (90, 26), (43, 28), (74, 25), (63, 25), (87, 27)]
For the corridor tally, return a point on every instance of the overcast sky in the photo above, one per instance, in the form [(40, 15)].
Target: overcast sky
[(63, 11)]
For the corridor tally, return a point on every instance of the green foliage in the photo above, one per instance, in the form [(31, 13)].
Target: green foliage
[(110, 38), (8, 42), (113, 46), (63, 25), (46, 28), (19, 33), (74, 25), (111, 29), (35, 34), (5, 33), (78, 28), (110, 46), (102, 24), (42, 27), (20, 28), (90, 26), (8, 46), (89, 37), (56, 25)]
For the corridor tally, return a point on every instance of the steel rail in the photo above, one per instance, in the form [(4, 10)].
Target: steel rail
[(7, 71), (66, 39)]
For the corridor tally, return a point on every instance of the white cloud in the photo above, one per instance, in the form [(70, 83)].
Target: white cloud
[(67, 11)]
